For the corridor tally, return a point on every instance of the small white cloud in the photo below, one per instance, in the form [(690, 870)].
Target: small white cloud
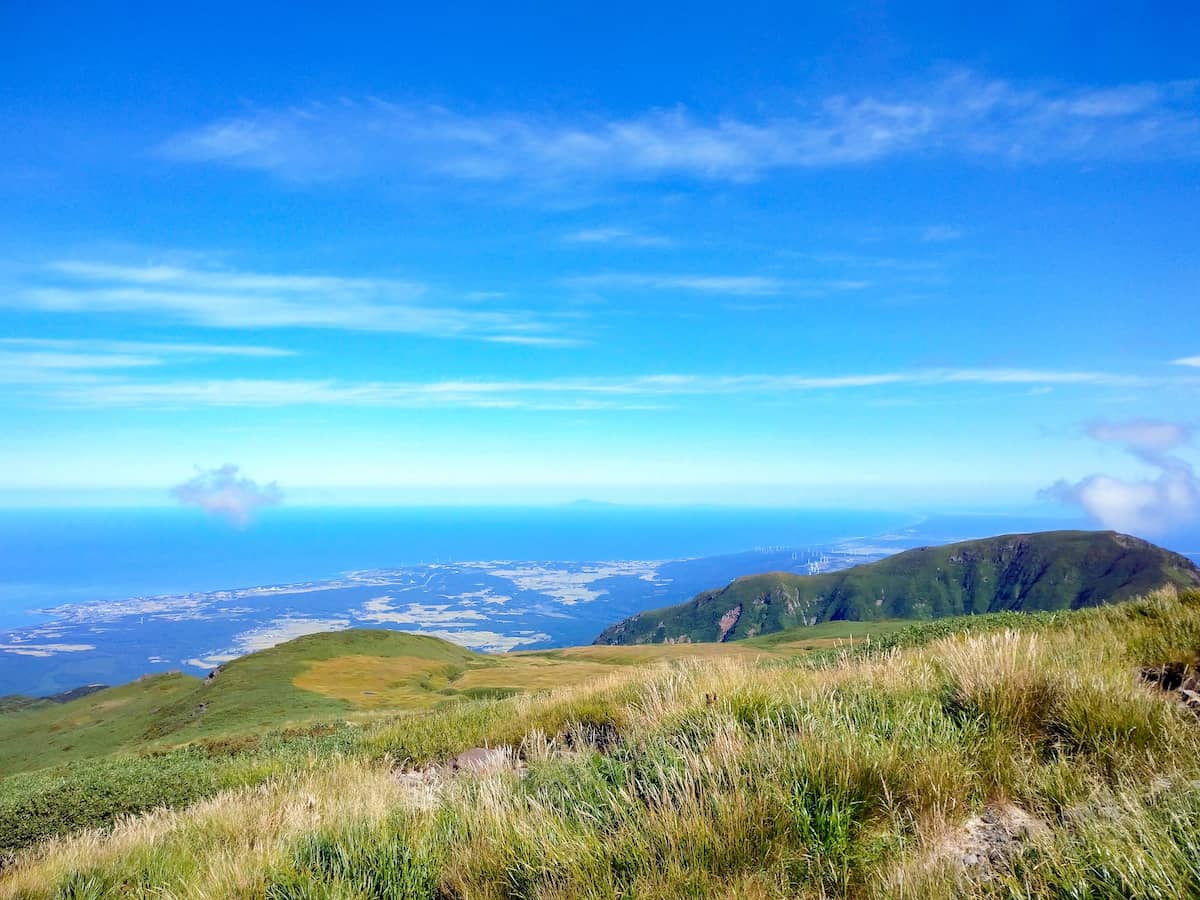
[(1140, 507), (222, 492), (1148, 506), (1193, 361)]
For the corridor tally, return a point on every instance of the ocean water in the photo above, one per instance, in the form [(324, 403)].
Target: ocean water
[(94, 595), (55, 556), (50, 557)]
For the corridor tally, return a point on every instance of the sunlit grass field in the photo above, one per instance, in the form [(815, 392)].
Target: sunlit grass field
[(768, 771), (339, 676)]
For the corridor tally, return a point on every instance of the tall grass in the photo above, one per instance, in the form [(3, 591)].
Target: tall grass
[(730, 778)]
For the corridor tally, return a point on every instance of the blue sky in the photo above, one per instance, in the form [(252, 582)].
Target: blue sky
[(867, 256)]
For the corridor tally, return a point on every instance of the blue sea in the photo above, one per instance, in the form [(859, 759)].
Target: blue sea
[(98, 595), (50, 557)]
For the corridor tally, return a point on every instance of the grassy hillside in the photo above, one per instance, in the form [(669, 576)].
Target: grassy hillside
[(999, 755), (332, 677), (95, 725), (172, 739), (1027, 572), (285, 684)]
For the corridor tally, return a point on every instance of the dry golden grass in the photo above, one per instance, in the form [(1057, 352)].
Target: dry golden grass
[(639, 654), (376, 683), (220, 847), (530, 674), (408, 683), (372, 682)]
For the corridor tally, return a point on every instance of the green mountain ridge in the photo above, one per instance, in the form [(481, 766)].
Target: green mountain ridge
[(1051, 570)]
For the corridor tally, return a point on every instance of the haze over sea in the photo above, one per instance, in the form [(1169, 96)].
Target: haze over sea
[(56, 556), (53, 556)]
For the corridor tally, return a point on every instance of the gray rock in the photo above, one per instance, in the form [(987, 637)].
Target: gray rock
[(481, 760)]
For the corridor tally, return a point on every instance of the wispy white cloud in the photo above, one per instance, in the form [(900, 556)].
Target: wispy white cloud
[(310, 392), (651, 391), (721, 285), (940, 234), (1193, 361), (962, 114), (49, 360), (155, 350), (224, 298), (1141, 436), (619, 236), (226, 493), (733, 285), (532, 340), (1149, 506)]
